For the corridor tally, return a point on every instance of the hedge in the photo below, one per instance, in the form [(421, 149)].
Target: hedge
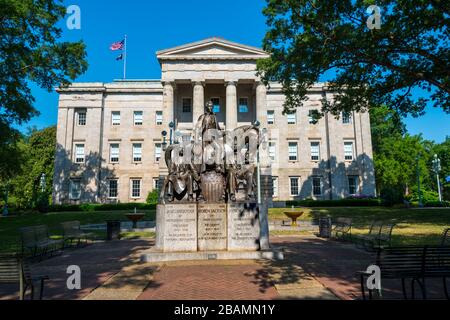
[(335, 203), (437, 204), (101, 207)]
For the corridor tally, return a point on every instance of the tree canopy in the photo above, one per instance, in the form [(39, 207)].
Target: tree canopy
[(368, 67), (30, 53)]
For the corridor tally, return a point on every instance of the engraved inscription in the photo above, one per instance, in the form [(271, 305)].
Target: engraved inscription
[(243, 227), (212, 229), (181, 227)]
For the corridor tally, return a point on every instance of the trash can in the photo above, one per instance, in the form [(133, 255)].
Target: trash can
[(112, 230), (325, 227)]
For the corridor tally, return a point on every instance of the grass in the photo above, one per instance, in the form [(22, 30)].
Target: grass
[(413, 226), (9, 234)]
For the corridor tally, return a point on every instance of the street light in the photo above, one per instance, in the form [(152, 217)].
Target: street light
[(164, 135), (437, 169), (171, 126), (42, 182), (418, 181)]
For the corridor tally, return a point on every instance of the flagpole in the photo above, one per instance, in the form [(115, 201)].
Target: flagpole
[(125, 60)]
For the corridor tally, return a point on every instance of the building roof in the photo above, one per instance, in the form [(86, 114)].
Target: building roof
[(212, 48)]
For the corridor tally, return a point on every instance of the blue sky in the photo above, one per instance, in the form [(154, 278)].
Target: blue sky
[(154, 25)]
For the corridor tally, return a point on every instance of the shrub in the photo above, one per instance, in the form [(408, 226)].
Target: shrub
[(437, 204), (153, 197), (391, 196), (89, 207), (427, 195), (335, 203)]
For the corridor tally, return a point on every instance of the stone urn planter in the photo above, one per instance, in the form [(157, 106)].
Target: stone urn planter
[(293, 215)]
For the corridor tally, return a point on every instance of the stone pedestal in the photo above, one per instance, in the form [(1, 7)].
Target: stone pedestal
[(209, 231), (243, 226), (212, 227), (176, 227)]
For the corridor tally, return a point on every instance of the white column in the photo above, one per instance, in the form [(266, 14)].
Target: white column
[(261, 103), (168, 102), (198, 103), (231, 106)]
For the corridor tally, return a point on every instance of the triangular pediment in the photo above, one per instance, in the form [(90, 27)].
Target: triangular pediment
[(212, 48)]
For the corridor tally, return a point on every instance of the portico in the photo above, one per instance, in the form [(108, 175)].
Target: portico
[(212, 70)]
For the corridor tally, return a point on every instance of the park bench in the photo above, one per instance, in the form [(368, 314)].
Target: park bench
[(379, 236), (342, 228), (362, 241), (72, 232), (36, 242), (411, 263), (15, 270), (445, 241)]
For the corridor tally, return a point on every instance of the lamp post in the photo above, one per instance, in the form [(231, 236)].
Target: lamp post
[(418, 181), (42, 182), (437, 169), (164, 144), (5, 208), (171, 126)]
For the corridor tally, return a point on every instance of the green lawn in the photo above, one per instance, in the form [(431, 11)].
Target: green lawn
[(9, 226), (413, 226)]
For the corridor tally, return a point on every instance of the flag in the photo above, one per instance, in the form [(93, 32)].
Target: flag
[(117, 45), (120, 57)]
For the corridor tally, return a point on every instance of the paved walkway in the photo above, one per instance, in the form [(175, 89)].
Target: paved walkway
[(313, 269)]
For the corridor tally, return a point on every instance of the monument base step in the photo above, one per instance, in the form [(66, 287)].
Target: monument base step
[(154, 255)]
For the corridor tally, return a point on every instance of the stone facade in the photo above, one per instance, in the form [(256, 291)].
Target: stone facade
[(103, 157)]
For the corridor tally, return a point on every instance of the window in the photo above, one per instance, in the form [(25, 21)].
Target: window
[(137, 152), (216, 105), (157, 152), (159, 118), (346, 117), (138, 118), (155, 183), (81, 115), (348, 150), (135, 188), (187, 105), (317, 186), (75, 189), (352, 184), (275, 186), (292, 118), (270, 117), (311, 117), (294, 183), (243, 105), (115, 118), (315, 151), (272, 150), (113, 189), (79, 153), (114, 153), (292, 151)]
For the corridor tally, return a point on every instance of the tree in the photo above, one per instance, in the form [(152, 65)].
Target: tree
[(39, 158), (308, 38), (443, 152), (29, 52), (385, 123)]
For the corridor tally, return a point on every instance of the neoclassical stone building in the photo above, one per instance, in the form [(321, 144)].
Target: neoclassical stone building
[(110, 143)]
